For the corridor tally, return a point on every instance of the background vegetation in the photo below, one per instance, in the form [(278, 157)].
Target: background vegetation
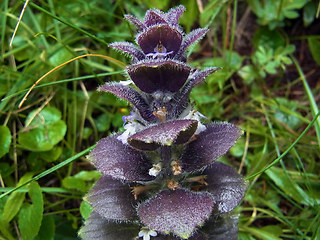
[(269, 86)]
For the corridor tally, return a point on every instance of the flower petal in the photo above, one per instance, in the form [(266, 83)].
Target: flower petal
[(225, 185), (159, 75), (98, 228), (131, 95), (163, 134), (179, 212), (112, 199), (168, 37), (210, 145), (113, 158)]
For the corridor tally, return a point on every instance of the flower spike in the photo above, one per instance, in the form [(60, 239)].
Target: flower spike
[(160, 179)]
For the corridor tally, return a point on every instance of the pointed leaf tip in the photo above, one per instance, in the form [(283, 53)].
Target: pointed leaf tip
[(154, 17), (139, 25), (131, 95), (113, 158), (211, 144), (225, 185)]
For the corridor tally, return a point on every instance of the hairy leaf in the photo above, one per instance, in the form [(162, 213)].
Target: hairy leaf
[(113, 158), (98, 228), (179, 212), (112, 199), (163, 134), (210, 145)]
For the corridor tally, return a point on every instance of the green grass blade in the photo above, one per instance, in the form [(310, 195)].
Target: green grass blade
[(313, 104), (288, 150), (67, 23), (62, 81), (43, 189), (3, 25), (50, 170)]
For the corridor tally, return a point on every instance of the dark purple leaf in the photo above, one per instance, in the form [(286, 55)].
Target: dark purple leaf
[(183, 96), (225, 185), (163, 134), (113, 158), (112, 199), (222, 227), (210, 145), (198, 76), (160, 36), (154, 17), (174, 14), (179, 212), (192, 37), (129, 48), (131, 95), (196, 236), (140, 25), (159, 75), (98, 228)]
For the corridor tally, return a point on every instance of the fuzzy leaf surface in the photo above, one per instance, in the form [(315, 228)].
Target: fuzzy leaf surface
[(163, 134), (112, 199), (113, 158), (225, 185), (210, 145), (98, 228), (179, 212)]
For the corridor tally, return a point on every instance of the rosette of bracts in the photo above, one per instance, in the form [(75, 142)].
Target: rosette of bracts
[(160, 178)]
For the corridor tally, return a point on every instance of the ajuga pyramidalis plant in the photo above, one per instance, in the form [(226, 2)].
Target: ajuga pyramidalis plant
[(160, 178)]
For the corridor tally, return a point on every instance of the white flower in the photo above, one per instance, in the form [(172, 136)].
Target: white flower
[(127, 82), (145, 232), (189, 113), (131, 127), (154, 171)]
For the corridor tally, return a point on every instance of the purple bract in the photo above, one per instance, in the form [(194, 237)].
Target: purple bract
[(160, 178)]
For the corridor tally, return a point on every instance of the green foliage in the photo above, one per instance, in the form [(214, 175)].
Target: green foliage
[(271, 54), (190, 15), (266, 61), (30, 215), (5, 140), (43, 130), (85, 209), (12, 207), (47, 229), (274, 12), (314, 46), (82, 181), (267, 85)]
